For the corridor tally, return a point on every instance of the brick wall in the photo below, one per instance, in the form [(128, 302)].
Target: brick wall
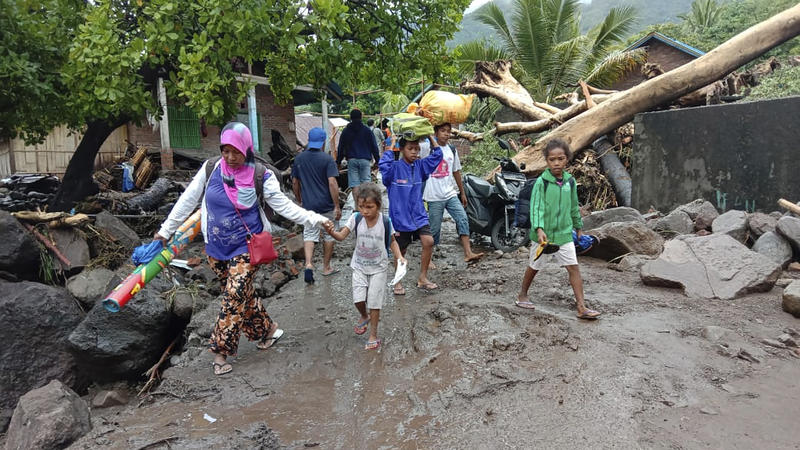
[(277, 117), (659, 53)]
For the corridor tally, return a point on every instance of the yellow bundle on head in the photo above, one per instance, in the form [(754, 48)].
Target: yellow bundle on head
[(444, 107)]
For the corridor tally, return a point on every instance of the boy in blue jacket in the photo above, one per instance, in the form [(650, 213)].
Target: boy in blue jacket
[(403, 178)]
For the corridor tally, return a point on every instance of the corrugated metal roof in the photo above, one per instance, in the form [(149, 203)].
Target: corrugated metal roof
[(686, 48), (303, 123)]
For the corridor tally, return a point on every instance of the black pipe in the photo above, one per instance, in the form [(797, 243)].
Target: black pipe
[(614, 170)]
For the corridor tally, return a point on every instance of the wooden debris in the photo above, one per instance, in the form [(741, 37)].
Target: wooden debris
[(792, 207)]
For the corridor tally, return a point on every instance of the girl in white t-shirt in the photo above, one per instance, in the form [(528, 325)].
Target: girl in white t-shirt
[(370, 259)]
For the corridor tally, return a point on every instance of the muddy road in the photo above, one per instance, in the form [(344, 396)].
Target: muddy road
[(464, 368)]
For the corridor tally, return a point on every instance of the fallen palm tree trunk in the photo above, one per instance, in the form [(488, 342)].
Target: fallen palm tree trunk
[(117, 299), (618, 109), (614, 171)]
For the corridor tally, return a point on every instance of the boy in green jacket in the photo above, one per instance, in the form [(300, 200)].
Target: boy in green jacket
[(554, 214)]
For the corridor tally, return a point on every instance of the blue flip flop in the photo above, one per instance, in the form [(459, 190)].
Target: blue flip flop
[(308, 275)]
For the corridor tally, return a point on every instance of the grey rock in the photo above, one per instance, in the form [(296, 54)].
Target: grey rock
[(783, 282), (775, 247), (122, 345), (73, 246), (19, 253), (787, 340), (701, 212), (732, 223), (773, 343), (117, 229), (715, 266), (622, 238), (621, 214), (709, 411), (760, 223), (202, 323), (714, 333), (789, 227), (183, 304), (104, 399), (202, 273), (675, 223), (791, 299), (632, 262), (34, 349), (92, 285), (50, 417)]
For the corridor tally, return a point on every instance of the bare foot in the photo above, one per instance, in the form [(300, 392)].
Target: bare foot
[(399, 289), (472, 257), (523, 298)]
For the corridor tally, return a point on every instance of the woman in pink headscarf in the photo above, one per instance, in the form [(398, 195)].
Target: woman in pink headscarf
[(229, 207)]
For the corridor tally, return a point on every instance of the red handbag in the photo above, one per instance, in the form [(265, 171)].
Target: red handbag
[(259, 245)]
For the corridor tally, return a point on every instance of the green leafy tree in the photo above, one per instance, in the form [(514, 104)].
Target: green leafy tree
[(704, 14), (32, 93), (549, 52), (119, 48)]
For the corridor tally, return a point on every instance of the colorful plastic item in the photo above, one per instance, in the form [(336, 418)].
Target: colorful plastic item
[(134, 283)]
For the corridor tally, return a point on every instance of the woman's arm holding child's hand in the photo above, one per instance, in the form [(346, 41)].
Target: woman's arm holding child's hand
[(339, 235)]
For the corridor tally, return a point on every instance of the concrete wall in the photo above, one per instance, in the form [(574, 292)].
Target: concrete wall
[(273, 116), (738, 156), (658, 53)]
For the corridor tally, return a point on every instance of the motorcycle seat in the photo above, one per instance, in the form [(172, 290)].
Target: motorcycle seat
[(479, 186)]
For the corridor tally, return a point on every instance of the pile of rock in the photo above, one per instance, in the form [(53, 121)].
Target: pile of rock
[(23, 192)]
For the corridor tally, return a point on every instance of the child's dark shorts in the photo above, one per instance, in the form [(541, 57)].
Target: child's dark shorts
[(405, 238)]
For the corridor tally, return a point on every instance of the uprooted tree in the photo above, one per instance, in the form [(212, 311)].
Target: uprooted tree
[(596, 115), (111, 61)]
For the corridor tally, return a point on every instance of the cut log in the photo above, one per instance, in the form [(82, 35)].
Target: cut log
[(151, 198), (786, 204), (614, 171), (581, 130), (495, 79)]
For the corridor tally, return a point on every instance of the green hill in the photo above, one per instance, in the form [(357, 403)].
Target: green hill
[(649, 12)]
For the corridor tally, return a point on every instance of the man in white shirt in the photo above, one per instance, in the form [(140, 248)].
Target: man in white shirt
[(442, 192)]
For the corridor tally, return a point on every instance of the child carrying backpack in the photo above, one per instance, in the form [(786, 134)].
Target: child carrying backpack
[(374, 239)]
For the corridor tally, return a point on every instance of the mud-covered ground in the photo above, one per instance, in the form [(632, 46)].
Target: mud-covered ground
[(464, 368)]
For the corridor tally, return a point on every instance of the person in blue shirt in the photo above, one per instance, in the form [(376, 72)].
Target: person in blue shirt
[(403, 177), (316, 189), (357, 144)]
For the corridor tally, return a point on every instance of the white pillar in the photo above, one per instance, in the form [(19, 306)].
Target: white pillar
[(327, 148), (252, 116), (166, 148)]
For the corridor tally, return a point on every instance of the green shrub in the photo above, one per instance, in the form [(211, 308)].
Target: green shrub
[(783, 82)]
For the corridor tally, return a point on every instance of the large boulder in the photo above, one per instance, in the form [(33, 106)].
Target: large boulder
[(702, 212), (775, 247), (622, 214), (675, 223), (39, 318), (622, 238), (92, 285), (791, 298), (117, 229), (760, 223), (50, 417), (714, 266), (789, 227), (123, 345), (733, 223), (19, 253)]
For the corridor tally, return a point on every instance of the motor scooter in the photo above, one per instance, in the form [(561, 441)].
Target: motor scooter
[(490, 208)]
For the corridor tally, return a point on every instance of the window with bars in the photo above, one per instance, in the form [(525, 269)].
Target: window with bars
[(184, 127)]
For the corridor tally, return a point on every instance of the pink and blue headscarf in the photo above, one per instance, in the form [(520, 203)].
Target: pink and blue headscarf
[(238, 182)]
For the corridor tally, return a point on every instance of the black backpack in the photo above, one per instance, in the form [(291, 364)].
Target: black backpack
[(522, 207), (261, 168)]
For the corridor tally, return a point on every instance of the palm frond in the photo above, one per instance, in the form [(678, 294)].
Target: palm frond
[(563, 16), (565, 65), (614, 66), (530, 35), (466, 55), (492, 16), (614, 29)]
